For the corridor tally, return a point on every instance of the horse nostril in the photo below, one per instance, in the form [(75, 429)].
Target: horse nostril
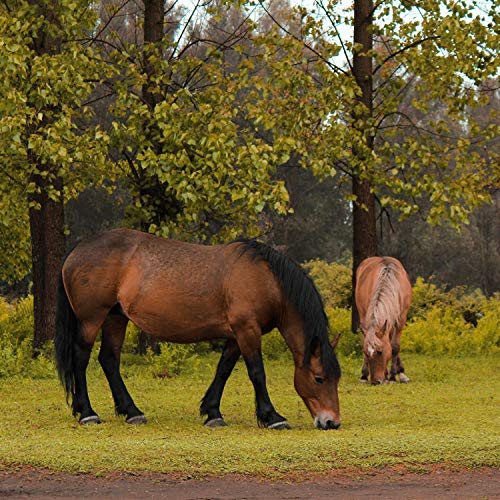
[(377, 382), (330, 424)]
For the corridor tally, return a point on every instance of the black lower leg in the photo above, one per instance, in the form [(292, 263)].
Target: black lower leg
[(364, 370), (267, 416), (81, 402), (395, 362), (210, 404), (124, 405), (401, 368)]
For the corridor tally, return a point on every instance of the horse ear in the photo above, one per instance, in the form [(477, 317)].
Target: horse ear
[(335, 341)]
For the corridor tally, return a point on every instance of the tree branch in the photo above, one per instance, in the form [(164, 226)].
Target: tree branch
[(306, 45), (404, 49)]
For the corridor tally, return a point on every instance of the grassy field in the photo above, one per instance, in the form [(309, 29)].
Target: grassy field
[(447, 414)]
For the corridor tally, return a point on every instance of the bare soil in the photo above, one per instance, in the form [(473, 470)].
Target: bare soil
[(424, 482)]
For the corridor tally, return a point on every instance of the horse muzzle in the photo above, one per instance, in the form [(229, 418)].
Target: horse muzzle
[(325, 422)]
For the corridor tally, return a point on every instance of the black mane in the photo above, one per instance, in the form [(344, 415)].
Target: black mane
[(301, 292)]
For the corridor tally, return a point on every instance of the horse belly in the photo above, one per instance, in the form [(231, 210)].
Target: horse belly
[(176, 319)]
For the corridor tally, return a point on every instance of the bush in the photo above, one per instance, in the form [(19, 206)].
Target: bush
[(456, 322), (172, 359), (274, 345), (334, 282), (16, 337), (340, 323)]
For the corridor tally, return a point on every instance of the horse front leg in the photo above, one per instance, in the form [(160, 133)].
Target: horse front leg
[(210, 404), (397, 367), (364, 370), (249, 341)]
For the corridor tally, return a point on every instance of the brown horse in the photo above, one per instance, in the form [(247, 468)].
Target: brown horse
[(383, 297), (183, 292)]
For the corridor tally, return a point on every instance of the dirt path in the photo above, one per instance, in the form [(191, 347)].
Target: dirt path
[(435, 483)]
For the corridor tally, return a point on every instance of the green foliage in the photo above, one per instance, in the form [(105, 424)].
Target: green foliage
[(274, 346), (194, 171), (16, 351), (418, 146), (446, 324), (173, 359), (340, 323), (47, 75), (333, 280)]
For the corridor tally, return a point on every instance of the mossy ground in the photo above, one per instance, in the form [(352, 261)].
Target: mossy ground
[(447, 414)]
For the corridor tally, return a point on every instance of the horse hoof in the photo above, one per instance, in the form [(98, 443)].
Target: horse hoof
[(215, 422), (403, 378), (92, 419), (137, 420), (363, 380), (279, 426)]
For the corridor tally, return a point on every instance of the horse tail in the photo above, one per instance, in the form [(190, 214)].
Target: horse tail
[(67, 326)]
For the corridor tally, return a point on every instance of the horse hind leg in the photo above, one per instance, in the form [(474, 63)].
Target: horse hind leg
[(397, 367), (81, 355), (403, 378), (210, 404), (113, 335)]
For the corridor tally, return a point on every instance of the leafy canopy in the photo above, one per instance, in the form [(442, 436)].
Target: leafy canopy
[(47, 75)]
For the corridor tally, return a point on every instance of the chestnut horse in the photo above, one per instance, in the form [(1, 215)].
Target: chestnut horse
[(383, 297), (182, 292)]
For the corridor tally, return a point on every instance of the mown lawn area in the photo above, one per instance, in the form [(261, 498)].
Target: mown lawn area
[(449, 414)]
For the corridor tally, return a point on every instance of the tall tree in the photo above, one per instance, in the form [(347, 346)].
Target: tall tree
[(192, 170), (338, 87), (46, 75)]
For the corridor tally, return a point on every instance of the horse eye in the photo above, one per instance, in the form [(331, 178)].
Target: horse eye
[(318, 380)]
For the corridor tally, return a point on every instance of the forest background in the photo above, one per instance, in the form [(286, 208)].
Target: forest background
[(330, 131)]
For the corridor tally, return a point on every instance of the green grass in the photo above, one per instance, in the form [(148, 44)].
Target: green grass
[(447, 414)]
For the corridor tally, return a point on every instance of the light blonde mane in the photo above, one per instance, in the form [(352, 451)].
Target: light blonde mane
[(385, 306)]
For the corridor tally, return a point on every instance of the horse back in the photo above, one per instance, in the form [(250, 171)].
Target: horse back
[(171, 289), (369, 284)]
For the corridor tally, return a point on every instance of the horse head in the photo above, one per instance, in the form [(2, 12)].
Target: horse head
[(317, 385), (377, 351)]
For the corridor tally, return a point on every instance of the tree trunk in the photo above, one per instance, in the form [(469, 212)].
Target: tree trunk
[(364, 243), (153, 35), (364, 220), (48, 242), (47, 251)]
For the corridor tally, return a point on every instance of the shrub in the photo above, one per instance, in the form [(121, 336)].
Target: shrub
[(274, 345), (340, 322), (172, 359), (445, 330), (334, 282), (16, 320), (16, 337), (425, 295)]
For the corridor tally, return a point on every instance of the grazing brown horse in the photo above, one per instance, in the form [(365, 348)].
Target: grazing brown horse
[(383, 297), (182, 292)]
